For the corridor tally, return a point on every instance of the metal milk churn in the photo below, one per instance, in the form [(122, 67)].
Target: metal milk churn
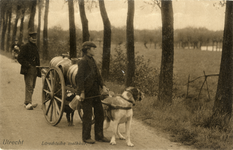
[(72, 72), (61, 62)]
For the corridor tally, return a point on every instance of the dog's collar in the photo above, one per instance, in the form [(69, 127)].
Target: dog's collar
[(127, 100)]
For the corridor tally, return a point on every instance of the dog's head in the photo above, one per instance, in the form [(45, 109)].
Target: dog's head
[(136, 93)]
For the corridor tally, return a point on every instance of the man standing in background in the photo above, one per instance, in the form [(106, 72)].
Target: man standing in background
[(29, 58)]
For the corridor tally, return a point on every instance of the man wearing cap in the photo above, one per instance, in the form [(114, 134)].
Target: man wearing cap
[(29, 58), (89, 83)]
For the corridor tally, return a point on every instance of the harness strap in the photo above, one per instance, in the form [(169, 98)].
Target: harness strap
[(116, 107), (92, 97), (126, 99)]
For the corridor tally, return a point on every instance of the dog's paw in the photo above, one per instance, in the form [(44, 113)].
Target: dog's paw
[(130, 144), (113, 142)]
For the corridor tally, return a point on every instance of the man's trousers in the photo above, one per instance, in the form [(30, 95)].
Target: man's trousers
[(30, 82), (87, 106)]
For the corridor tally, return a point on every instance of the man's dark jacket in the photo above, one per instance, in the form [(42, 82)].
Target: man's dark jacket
[(86, 75), (29, 56)]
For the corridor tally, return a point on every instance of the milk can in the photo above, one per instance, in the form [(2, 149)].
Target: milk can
[(71, 74), (62, 63)]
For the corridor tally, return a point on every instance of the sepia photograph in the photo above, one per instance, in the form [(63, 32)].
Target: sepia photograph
[(116, 74)]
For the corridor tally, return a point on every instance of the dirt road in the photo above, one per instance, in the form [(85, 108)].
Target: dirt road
[(28, 129)]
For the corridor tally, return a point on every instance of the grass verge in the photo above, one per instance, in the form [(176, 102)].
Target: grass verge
[(183, 125)]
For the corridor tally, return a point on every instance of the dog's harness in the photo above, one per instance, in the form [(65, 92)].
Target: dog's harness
[(120, 107), (110, 107), (116, 107), (127, 100)]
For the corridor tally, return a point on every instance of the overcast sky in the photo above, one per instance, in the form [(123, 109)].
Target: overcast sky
[(196, 13)]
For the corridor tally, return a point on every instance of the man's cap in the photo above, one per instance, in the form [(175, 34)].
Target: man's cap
[(32, 33), (88, 44)]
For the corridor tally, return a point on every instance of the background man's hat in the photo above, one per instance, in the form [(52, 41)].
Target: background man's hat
[(88, 44), (32, 33)]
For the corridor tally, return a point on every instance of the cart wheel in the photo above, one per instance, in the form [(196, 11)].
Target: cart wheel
[(53, 95), (80, 112)]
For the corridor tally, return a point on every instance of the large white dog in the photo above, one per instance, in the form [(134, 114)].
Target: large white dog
[(118, 109)]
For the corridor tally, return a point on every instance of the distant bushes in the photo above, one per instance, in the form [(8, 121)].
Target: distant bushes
[(146, 77)]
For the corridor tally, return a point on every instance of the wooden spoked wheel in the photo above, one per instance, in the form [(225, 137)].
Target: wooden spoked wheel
[(53, 95)]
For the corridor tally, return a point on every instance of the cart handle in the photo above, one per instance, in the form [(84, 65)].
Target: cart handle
[(42, 66)]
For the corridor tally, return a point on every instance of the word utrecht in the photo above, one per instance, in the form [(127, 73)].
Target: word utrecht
[(10, 142)]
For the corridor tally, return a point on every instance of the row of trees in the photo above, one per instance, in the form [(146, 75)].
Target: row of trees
[(190, 37), (223, 101), (19, 9), (14, 10), (186, 37), (197, 37)]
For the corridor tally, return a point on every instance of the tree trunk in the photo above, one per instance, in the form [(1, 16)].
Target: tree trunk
[(31, 26), (21, 28), (15, 24), (9, 30), (4, 26), (73, 51), (45, 31), (222, 109), (84, 21), (2, 11), (106, 41), (39, 25), (130, 68), (166, 69)]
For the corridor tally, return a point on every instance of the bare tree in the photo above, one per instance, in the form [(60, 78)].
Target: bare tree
[(18, 7), (3, 22), (31, 26), (39, 24), (130, 69), (166, 69), (73, 51), (84, 21), (21, 26), (106, 40), (9, 28), (222, 109), (45, 31), (25, 5)]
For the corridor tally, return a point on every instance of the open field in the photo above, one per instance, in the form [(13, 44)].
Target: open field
[(186, 62)]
